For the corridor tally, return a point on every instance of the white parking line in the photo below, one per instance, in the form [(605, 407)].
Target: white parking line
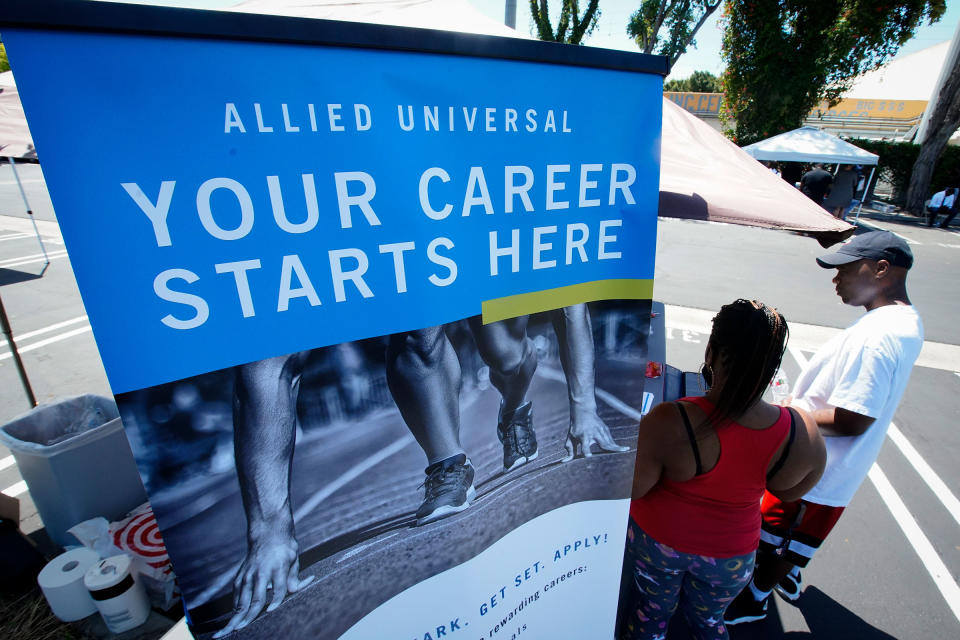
[(34, 259), (933, 481), (15, 236), (915, 536), (43, 343), (48, 329), (22, 181), (6, 462), (18, 258), (15, 490)]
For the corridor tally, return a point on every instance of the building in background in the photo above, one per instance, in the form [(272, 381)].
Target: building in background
[(884, 104)]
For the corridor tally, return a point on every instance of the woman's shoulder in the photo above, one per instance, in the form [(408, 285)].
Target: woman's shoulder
[(665, 422), (807, 448)]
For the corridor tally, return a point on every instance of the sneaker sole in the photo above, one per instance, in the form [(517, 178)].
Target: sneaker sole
[(743, 619), (522, 460), (448, 510), (785, 595)]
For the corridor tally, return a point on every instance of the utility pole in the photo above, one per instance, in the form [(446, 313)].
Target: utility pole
[(510, 14)]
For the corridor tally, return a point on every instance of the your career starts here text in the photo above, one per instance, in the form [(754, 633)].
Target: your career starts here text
[(331, 201)]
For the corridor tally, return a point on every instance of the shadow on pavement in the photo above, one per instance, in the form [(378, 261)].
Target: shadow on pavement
[(12, 276), (826, 618), (829, 619)]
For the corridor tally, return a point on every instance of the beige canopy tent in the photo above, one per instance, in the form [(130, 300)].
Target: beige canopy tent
[(703, 176)]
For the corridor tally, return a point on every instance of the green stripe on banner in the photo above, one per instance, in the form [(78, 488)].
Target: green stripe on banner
[(536, 301)]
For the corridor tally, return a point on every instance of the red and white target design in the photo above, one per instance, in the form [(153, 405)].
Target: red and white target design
[(140, 536)]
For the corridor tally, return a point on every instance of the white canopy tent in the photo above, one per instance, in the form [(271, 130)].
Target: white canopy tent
[(809, 144)]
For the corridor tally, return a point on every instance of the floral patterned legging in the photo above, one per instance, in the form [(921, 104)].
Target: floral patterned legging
[(702, 587)]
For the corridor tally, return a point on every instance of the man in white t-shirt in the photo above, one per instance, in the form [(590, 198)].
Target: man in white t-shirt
[(852, 387)]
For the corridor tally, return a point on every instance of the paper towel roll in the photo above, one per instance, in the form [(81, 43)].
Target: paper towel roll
[(121, 600), (62, 584)]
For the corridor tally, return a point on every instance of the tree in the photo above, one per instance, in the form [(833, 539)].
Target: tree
[(942, 124), (681, 19), (4, 64), (572, 27), (786, 56), (699, 81)]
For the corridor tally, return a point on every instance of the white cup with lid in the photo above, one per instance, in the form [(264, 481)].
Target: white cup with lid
[(120, 598)]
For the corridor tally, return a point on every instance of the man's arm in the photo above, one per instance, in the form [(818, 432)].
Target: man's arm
[(575, 337), (264, 417), (837, 422)]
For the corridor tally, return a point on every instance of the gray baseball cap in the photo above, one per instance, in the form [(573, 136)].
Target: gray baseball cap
[(875, 245)]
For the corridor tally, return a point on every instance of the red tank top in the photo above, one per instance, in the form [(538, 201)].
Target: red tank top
[(717, 513)]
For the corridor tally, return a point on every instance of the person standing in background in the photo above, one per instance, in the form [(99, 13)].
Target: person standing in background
[(791, 172), (841, 193), (816, 183)]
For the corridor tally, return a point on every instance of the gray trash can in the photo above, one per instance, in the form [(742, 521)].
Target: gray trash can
[(76, 461)]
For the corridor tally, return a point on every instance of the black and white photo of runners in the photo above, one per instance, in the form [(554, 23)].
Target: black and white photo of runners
[(300, 492)]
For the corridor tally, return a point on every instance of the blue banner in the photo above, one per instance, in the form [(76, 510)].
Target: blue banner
[(302, 196)]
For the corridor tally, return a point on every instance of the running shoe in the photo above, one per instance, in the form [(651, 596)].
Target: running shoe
[(789, 588), (448, 489), (745, 608), (516, 433)]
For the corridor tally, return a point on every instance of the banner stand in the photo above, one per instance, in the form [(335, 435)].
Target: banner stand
[(376, 321)]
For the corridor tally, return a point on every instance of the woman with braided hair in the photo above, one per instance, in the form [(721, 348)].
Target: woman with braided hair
[(702, 467)]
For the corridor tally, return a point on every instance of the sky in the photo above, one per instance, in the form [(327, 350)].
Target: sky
[(615, 14)]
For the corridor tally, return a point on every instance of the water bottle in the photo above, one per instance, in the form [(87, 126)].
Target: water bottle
[(780, 387)]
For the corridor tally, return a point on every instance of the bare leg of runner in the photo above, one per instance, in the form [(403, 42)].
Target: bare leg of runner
[(424, 377), (512, 359)]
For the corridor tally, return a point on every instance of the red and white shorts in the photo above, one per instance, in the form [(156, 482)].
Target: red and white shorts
[(795, 530)]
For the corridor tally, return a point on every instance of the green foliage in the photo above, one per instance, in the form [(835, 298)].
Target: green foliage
[(785, 56), (896, 165), (572, 28), (4, 63), (699, 81), (680, 19)]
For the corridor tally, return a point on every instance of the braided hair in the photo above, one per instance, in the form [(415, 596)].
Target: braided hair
[(749, 338)]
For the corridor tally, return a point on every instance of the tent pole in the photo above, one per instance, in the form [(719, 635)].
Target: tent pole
[(26, 203), (8, 334), (866, 190)]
